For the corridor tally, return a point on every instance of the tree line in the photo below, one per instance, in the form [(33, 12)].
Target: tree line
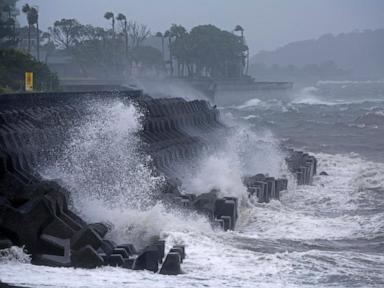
[(204, 51), (207, 51)]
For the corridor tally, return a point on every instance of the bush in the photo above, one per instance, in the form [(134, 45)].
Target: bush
[(14, 64)]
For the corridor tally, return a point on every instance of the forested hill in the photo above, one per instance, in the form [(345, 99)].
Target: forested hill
[(360, 53)]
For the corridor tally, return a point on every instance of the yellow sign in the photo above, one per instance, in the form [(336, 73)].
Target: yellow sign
[(28, 81)]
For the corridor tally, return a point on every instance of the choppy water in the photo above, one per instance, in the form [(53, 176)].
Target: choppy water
[(330, 234)]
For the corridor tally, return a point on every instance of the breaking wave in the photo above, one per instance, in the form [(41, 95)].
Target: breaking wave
[(325, 235), (310, 96)]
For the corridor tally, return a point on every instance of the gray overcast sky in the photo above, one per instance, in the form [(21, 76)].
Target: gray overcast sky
[(268, 23)]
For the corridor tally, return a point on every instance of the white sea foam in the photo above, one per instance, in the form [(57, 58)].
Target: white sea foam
[(337, 207), (14, 254), (249, 117), (106, 171), (249, 104), (310, 96), (322, 82), (242, 153), (326, 209), (248, 257)]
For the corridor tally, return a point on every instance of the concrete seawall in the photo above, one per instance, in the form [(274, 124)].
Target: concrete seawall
[(35, 213)]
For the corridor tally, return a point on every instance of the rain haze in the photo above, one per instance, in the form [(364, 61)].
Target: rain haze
[(192, 143), (268, 24)]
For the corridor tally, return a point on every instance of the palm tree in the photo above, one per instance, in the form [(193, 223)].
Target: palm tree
[(109, 16), (26, 8), (123, 20), (239, 28), (32, 18)]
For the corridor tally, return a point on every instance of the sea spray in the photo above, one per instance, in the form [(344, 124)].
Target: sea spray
[(140, 226), (14, 254), (105, 167), (310, 96), (167, 88), (242, 153), (111, 180), (103, 158)]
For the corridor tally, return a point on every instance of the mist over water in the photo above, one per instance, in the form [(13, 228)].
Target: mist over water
[(167, 88)]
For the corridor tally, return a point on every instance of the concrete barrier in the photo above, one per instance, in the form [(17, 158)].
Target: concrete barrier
[(35, 212)]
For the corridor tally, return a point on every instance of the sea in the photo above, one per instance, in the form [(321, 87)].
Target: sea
[(329, 234)]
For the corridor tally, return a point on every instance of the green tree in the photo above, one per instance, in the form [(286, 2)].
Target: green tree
[(7, 27), (13, 65), (124, 25), (109, 16), (32, 19), (215, 52), (240, 29), (26, 10), (66, 33), (179, 47), (137, 33), (147, 56)]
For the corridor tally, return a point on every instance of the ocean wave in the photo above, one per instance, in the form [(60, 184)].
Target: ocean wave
[(310, 96), (321, 82), (329, 208), (317, 236), (373, 118), (249, 104)]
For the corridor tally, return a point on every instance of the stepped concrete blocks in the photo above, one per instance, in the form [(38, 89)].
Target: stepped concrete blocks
[(271, 188), (5, 243), (160, 244), (107, 247), (54, 193), (205, 203), (179, 251), (182, 249), (61, 260), (148, 260), (235, 202), (58, 228), (100, 228), (227, 222), (226, 207), (167, 133), (69, 218), (86, 236), (114, 260), (3, 165), (171, 265), (262, 196), (219, 223), (120, 251), (26, 221), (86, 257), (128, 263)]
